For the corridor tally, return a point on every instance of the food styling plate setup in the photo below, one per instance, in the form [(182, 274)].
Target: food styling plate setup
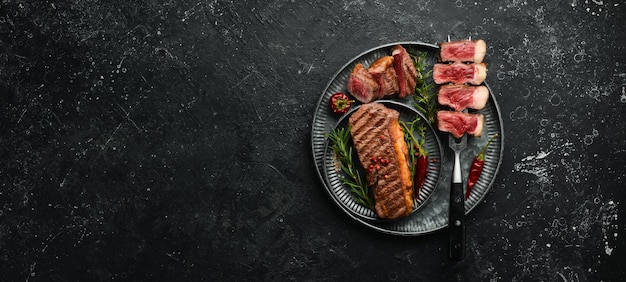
[(431, 207), (343, 196)]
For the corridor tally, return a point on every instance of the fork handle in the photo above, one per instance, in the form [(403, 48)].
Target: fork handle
[(456, 222)]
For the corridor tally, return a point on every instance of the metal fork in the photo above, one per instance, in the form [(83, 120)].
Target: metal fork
[(456, 214)]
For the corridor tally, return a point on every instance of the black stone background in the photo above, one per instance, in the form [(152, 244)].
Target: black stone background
[(170, 141)]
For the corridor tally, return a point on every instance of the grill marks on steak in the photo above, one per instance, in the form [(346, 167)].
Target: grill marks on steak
[(405, 69), (461, 97), (376, 133)]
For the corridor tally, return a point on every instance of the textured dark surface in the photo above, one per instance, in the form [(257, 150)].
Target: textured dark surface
[(169, 140)]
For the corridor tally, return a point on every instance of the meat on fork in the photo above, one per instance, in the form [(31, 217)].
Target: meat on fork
[(459, 123), (460, 73), (461, 97), (463, 51)]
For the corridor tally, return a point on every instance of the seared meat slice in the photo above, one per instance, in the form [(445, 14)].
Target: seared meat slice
[(458, 123), (460, 73), (405, 70), (376, 134), (383, 72), (462, 51), (362, 85), (460, 97)]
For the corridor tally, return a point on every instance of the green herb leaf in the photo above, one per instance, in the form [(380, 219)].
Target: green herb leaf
[(416, 147), (340, 139), (425, 96)]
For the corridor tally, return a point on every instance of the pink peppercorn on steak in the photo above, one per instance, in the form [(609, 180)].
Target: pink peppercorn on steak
[(382, 151)]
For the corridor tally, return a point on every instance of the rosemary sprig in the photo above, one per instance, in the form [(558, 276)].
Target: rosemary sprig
[(340, 139), (407, 129), (412, 143), (425, 101)]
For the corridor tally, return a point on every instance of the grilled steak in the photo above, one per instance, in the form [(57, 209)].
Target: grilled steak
[(462, 51), (460, 73), (405, 70), (458, 123), (383, 72), (379, 142), (460, 97), (362, 85)]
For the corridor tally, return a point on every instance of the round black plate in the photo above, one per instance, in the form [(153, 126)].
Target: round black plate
[(341, 192), (433, 214)]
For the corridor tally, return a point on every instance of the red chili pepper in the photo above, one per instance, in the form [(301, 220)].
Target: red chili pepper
[(340, 103), (477, 168), (421, 171), (421, 163), (419, 157)]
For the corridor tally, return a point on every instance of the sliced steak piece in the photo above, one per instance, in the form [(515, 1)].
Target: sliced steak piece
[(362, 85), (383, 72), (460, 97), (405, 70), (459, 123), (460, 73), (462, 51), (376, 134)]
